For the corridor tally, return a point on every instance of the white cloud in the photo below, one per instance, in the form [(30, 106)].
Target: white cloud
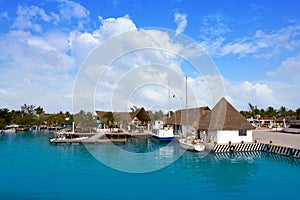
[(40, 68), (181, 21), (262, 93), (81, 43), (213, 26), (35, 18), (71, 9), (28, 17), (244, 92), (34, 68), (113, 26), (4, 16), (261, 44), (289, 68)]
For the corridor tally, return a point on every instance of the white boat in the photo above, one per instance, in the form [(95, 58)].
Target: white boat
[(9, 130), (63, 136), (161, 132), (191, 144)]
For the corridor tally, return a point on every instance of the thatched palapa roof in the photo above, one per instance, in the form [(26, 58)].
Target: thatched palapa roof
[(141, 114), (224, 117), (125, 117), (190, 116)]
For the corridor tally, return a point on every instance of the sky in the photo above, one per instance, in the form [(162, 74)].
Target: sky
[(46, 45)]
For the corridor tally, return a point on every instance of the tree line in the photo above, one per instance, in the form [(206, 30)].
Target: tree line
[(270, 112), (31, 115)]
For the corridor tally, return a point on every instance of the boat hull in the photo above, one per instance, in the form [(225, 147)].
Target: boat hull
[(162, 139), (191, 147)]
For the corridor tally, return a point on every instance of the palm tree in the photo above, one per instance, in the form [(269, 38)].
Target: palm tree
[(109, 118), (282, 111), (271, 112)]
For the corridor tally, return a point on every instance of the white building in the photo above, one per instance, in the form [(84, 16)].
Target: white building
[(225, 125)]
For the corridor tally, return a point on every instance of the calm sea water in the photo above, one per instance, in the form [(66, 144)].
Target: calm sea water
[(32, 168)]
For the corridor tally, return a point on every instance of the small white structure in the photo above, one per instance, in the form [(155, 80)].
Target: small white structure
[(225, 125)]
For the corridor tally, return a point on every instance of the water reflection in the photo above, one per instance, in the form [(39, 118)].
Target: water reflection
[(136, 156)]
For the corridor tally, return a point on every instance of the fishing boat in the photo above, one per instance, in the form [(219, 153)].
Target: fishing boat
[(161, 132), (188, 140)]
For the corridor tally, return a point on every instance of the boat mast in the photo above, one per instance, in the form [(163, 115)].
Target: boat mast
[(186, 106), (169, 115), (186, 100)]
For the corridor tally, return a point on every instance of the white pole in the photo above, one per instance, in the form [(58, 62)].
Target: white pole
[(73, 127), (169, 99)]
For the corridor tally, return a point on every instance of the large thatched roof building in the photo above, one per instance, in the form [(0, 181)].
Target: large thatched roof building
[(225, 124), (224, 117)]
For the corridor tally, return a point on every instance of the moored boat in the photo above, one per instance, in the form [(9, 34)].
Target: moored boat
[(161, 132), (68, 137), (191, 144), (189, 141), (9, 129)]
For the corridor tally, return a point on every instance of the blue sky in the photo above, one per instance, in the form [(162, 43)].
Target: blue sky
[(254, 44)]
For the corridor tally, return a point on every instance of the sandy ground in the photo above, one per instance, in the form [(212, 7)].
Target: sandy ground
[(278, 138)]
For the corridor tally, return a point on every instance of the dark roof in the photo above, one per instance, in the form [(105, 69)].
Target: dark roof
[(287, 118), (125, 117), (224, 117), (194, 115), (141, 114)]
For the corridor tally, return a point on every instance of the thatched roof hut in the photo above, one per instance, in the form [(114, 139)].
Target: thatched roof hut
[(224, 117), (124, 117), (190, 116), (141, 115)]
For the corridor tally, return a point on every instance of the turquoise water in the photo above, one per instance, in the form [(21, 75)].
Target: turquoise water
[(32, 168)]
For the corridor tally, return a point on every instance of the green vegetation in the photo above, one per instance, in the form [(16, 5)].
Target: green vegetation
[(270, 112), (30, 115), (85, 120)]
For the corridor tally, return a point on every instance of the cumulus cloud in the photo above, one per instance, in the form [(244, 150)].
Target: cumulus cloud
[(241, 93), (81, 43), (114, 26), (181, 21), (39, 67), (44, 64)]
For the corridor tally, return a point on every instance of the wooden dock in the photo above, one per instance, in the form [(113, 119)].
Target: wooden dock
[(114, 137)]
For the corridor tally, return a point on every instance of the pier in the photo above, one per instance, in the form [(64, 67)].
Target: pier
[(273, 142), (286, 144), (114, 137)]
